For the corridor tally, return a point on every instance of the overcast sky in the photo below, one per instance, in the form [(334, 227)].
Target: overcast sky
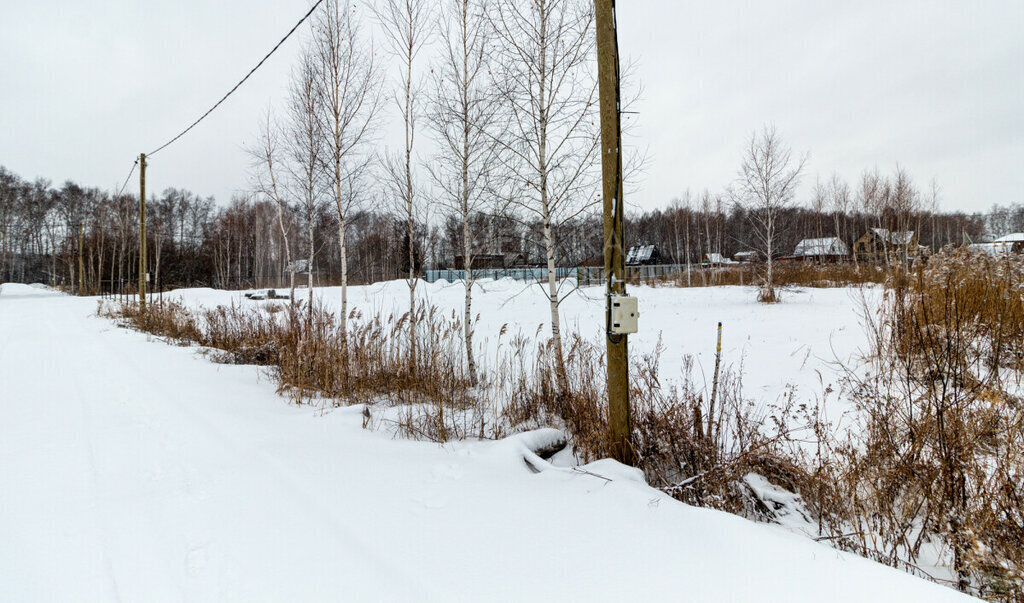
[(936, 87)]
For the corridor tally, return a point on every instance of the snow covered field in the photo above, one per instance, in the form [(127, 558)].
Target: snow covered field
[(781, 348), (134, 470)]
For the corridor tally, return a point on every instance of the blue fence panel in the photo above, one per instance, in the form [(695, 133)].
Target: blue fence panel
[(585, 275)]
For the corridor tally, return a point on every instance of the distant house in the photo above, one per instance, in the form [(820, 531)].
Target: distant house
[(829, 249), (1011, 243), (482, 261), (746, 257), (516, 259), (643, 255), (877, 244)]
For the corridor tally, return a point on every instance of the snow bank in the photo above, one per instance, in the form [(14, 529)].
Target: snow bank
[(19, 290)]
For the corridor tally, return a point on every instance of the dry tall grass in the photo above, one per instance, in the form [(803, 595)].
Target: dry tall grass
[(938, 459), (786, 274), (314, 362)]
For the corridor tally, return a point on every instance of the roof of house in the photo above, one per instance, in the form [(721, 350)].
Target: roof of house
[(1002, 245), (639, 253), (819, 247)]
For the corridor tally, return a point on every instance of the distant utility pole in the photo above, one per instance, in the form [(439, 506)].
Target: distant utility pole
[(142, 231), (614, 261)]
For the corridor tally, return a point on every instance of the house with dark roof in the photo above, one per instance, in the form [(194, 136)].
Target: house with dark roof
[(643, 255)]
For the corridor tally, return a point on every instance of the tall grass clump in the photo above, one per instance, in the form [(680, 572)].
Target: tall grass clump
[(314, 361), (937, 461), (785, 274)]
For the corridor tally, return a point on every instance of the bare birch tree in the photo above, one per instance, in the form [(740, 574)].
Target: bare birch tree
[(839, 205), (768, 178), (933, 209), (905, 204), (681, 207), (462, 110), (819, 202), (871, 198), (267, 159), (549, 91), (406, 24), (305, 151), (350, 92)]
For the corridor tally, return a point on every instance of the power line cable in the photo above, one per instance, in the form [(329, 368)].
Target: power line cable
[(130, 172), (242, 81)]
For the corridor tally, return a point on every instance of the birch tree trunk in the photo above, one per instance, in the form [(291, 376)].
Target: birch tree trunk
[(462, 110), (350, 86), (309, 273), (556, 324), (549, 147), (406, 27)]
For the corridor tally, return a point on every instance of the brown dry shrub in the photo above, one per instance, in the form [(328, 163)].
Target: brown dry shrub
[(842, 274), (785, 274), (692, 448), (312, 360), (171, 320), (938, 458)]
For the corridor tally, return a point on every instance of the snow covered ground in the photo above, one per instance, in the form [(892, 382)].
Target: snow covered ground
[(781, 348), (134, 470)]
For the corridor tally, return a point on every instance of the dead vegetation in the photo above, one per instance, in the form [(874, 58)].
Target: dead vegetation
[(937, 459), (785, 274), (314, 361)]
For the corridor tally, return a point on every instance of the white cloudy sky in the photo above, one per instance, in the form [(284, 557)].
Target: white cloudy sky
[(935, 86)]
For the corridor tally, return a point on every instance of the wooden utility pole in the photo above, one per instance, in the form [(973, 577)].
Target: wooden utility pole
[(714, 385), (81, 260), (142, 231), (619, 417)]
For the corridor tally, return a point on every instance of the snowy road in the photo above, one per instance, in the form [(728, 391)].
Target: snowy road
[(137, 471)]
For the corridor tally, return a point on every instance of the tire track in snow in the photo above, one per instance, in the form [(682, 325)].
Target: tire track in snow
[(85, 408)]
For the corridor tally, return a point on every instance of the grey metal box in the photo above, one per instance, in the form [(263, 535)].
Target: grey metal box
[(625, 314)]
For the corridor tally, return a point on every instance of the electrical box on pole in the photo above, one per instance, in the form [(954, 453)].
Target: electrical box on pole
[(625, 314)]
